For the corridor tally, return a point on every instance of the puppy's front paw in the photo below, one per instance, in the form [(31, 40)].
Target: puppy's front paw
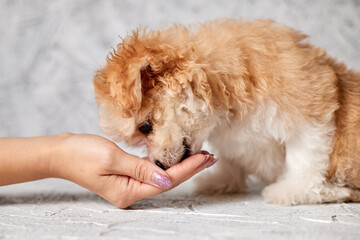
[(276, 194), (283, 193), (215, 184)]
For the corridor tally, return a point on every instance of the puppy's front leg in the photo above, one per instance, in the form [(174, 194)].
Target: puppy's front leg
[(228, 177), (307, 158)]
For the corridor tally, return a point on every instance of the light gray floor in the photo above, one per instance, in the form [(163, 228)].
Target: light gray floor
[(55, 209), (49, 51)]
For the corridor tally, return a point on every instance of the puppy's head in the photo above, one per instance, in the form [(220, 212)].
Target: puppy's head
[(153, 92)]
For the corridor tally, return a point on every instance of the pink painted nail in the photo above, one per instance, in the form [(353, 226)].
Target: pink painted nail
[(161, 180), (212, 162), (205, 160)]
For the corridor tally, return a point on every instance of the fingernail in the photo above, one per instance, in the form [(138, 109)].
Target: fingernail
[(212, 162), (161, 180), (207, 156)]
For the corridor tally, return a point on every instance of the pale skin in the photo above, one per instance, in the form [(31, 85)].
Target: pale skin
[(93, 162)]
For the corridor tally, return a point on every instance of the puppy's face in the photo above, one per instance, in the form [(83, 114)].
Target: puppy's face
[(155, 96)]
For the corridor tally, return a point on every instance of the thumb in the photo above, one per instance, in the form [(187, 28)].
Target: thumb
[(141, 170)]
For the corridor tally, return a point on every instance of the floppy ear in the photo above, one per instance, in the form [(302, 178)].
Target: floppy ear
[(123, 88)]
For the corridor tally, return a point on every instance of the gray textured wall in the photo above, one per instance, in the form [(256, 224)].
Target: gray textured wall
[(49, 50)]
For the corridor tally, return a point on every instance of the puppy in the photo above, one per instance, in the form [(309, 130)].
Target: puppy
[(269, 103)]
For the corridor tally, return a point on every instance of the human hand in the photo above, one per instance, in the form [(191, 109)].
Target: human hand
[(99, 165)]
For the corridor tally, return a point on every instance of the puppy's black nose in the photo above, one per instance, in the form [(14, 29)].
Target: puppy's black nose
[(160, 165)]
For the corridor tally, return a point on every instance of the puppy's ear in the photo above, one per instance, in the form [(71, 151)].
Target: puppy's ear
[(147, 78), (123, 87)]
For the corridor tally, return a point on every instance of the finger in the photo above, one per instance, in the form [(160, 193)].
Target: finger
[(123, 191), (185, 170), (178, 174), (119, 190), (142, 170)]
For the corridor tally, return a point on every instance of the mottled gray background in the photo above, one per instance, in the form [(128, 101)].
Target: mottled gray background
[(49, 51)]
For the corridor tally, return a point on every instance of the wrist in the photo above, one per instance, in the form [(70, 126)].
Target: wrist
[(56, 155)]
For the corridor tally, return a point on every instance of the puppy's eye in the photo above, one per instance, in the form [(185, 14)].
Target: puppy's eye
[(146, 128)]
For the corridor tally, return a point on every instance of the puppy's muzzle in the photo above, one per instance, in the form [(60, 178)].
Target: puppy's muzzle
[(187, 153)]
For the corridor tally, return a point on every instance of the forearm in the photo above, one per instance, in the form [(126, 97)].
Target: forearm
[(26, 159), (93, 162)]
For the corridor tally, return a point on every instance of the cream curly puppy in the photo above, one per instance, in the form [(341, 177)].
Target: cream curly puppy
[(270, 104)]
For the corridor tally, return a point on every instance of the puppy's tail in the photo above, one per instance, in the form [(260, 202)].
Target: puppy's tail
[(345, 158)]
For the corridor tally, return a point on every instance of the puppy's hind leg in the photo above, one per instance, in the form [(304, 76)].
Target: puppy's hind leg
[(307, 160), (228, 177)]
